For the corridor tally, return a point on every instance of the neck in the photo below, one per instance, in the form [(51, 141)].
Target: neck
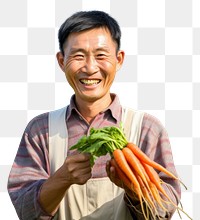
[(89, 110)]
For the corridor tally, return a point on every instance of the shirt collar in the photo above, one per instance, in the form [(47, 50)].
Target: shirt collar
[(114, 108), (71, 107)]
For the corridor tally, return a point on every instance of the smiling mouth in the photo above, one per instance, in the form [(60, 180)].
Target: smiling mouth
[(90, 81)]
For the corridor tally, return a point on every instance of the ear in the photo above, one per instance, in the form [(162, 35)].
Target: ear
[(60, 59), (120, 59)]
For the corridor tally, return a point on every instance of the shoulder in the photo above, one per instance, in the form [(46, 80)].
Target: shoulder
[(154, 136), (39, 124), (152, 124), (148, 120)]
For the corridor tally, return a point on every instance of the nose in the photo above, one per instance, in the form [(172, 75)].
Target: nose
[(90, 65)]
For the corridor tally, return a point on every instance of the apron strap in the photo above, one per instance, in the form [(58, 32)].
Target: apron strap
[(58, 136), (132, 123)]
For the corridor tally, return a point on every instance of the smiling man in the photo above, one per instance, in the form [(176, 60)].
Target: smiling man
[(90, 60), (49, 181)]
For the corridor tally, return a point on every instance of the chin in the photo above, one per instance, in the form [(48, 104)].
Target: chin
[(91, 97)]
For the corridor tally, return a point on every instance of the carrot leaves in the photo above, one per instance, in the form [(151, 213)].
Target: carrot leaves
[(101, 141)]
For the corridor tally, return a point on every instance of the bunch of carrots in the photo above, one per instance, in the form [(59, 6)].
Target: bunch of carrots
[(134, 168)]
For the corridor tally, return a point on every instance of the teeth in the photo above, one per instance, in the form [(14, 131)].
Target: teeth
[(90, 81)]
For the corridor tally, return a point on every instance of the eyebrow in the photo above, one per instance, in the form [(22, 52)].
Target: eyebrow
[(105, 49), (76, 50)]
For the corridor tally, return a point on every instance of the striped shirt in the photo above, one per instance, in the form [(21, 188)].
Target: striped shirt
[(31, 165)]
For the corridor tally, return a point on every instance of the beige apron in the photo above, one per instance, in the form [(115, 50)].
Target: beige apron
[(99, 198)]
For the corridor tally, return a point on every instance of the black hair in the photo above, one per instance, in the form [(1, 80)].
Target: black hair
[(85, 20)]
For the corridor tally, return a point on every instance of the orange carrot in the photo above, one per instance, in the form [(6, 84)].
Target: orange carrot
[(122, 176), (155, 179), (134, 163), (156, 195), (146, 193), (122, 163), (143, 157), (152, 193), (155, 186)]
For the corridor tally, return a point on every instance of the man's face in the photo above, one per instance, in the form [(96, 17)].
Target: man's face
[(90, 63)]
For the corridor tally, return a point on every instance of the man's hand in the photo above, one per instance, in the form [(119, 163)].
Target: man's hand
[(76, 169), (112, 174)]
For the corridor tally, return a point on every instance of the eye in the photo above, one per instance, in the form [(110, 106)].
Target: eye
[(101, 56), (79, 56)]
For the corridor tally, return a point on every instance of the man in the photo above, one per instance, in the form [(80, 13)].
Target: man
[(89, 56)]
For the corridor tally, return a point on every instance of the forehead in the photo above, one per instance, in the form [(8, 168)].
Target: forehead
[(90, 38)]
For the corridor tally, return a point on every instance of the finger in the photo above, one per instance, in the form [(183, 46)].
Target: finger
[(87, 155), (84, 171), (79, 158), (84, 156), (112, 171), (108, 168)]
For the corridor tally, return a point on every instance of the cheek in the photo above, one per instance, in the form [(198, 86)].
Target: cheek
[(109, 69), (105, 63), (69, 74), (71, 68)]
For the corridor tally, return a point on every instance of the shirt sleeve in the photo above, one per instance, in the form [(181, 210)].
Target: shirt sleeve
[(29, 170), (154, 142)]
